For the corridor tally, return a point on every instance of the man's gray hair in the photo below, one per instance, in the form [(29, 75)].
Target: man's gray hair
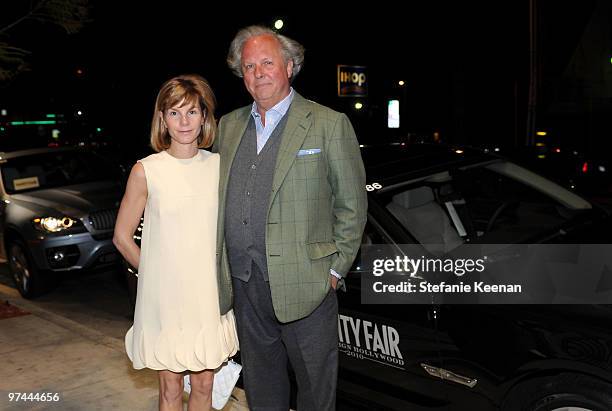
[(291, 49)]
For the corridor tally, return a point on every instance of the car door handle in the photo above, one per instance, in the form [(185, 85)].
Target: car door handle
[(449, 376)]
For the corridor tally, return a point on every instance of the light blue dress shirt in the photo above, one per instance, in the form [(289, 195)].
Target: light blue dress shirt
[(273, 117)]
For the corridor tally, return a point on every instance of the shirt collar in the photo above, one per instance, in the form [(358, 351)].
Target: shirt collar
[(281, 107)]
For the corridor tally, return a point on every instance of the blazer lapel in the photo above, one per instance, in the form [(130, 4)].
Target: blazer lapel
[(293, 136)]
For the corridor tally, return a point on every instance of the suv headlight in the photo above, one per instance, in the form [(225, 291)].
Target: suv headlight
[(55, 224)]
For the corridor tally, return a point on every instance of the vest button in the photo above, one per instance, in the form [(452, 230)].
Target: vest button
[(253, 166)]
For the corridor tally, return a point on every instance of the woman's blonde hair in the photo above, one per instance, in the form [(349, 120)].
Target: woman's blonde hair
[(185, 89)]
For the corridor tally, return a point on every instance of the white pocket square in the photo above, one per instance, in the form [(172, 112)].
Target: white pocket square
[(308, 152)]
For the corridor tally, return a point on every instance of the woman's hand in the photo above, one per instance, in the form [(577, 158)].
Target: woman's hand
[(130, 211)]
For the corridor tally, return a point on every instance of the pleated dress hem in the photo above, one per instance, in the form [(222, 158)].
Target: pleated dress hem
[(200, 360)]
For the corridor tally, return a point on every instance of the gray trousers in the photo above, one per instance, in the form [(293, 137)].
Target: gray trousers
[(266, 345)]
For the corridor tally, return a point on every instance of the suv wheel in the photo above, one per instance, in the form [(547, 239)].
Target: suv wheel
[(566, 392), (26, 276)]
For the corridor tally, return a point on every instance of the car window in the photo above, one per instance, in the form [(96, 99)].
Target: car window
[(56, 169), (504, 210), (423, 213), (483, 204)]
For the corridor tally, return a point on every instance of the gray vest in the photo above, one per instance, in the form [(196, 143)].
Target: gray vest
[(246, 205)]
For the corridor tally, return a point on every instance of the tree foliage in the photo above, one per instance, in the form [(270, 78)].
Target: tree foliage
[(70, 15)]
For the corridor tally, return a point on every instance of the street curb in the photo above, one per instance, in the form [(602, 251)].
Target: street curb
[(73, 326)]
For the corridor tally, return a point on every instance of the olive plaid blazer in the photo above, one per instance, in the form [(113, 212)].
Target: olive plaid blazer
[(317, 209)]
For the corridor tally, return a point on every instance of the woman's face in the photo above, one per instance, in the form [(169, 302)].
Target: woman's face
[(184, 123)]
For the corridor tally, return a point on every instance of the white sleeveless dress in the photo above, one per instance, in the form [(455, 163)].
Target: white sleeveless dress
[(177, 323)]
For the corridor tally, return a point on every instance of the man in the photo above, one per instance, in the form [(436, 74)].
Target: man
[(292, 211)]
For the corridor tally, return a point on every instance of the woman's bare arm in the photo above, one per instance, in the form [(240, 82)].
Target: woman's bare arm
[(130, 211)]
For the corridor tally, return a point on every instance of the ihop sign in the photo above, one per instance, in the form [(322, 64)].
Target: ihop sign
[(352, 81)]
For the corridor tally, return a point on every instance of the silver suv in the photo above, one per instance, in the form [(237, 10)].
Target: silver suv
[(57, 213)]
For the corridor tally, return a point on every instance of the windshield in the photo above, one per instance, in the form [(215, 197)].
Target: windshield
[(55, 169)]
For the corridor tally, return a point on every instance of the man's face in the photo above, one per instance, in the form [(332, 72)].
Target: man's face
[(266, 75)]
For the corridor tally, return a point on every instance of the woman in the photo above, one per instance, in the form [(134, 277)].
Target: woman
[(177, 323)]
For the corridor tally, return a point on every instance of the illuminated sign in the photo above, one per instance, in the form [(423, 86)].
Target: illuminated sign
[(33, 122), (393, 114), (352, 81)]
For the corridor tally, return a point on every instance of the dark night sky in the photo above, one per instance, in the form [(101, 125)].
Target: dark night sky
[(461, 61)]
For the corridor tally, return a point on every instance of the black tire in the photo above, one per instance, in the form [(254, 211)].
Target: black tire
[(559, 393), (27, 277)]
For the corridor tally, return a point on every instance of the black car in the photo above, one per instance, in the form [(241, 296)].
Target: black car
[(470, 357)]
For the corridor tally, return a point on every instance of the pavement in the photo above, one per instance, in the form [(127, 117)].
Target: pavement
[(46, 354)]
